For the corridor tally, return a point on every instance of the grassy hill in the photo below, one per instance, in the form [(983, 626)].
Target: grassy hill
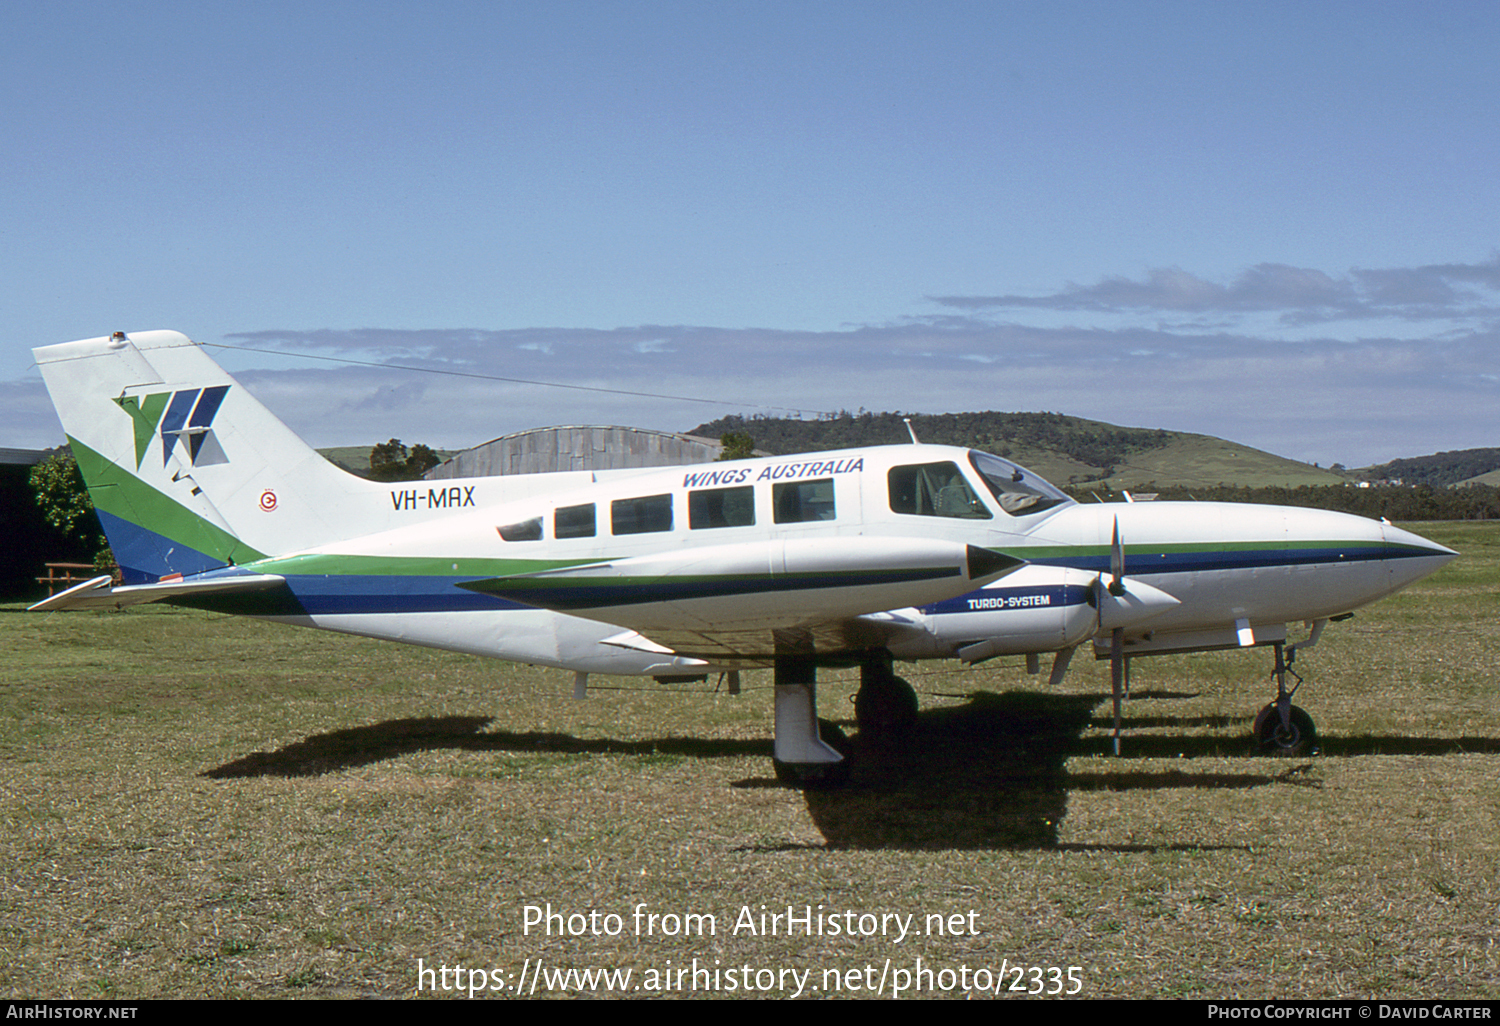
[(1492, 479), (1441, 470), (1068, 451), (353, 458)]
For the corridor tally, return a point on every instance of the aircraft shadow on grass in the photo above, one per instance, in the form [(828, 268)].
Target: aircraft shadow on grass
[(988, 774), (359, 746)]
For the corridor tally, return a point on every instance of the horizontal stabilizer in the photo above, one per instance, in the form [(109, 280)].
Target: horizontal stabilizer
[(97, 593)]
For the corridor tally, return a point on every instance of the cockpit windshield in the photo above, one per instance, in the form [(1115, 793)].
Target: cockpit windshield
[(1019, 491)]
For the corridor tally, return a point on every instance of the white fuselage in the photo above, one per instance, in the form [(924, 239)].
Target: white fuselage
[(655, 571)]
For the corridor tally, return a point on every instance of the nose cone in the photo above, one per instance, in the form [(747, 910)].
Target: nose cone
[(1412, 557), (1340, 561)]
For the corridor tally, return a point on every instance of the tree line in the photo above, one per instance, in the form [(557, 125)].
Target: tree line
[(1393, 502)]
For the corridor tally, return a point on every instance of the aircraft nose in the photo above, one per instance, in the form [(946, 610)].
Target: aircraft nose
[(1412, 557), (1348, 560)]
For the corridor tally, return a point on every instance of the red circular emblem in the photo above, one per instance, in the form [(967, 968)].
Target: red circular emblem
[(268, 500)]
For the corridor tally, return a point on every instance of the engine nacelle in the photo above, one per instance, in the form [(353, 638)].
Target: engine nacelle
[(1035, 609)]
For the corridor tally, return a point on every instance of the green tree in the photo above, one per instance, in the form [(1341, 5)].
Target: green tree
[(66, 506), (421, 460), (390, 461), (738, 445)]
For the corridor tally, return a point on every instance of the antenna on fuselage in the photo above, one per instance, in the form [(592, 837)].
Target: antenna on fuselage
[(910, 430)]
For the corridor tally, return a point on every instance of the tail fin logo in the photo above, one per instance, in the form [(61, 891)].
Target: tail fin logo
[(184, 417)]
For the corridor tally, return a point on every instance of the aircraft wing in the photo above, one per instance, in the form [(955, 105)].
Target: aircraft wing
[(746, 603), (758, 598), (98, 593)]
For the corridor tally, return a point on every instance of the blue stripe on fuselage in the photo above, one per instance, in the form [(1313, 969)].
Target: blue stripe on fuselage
[(349, 593), (991, 600)]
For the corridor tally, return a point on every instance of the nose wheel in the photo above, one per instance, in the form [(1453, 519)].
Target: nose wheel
[(1282, 728), (1297, 736)]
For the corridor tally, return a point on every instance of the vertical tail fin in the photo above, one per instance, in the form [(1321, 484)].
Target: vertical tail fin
[(187, 470)]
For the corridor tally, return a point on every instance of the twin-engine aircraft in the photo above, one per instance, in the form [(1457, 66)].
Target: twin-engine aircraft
[(859, 557)]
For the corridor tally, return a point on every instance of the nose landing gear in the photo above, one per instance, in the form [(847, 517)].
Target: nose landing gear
[(1282, 728)]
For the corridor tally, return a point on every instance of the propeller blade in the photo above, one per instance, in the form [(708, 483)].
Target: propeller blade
[(1117, 675), (1116, 563)]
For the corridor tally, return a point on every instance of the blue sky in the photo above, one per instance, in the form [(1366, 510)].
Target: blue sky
[(1273, 222)]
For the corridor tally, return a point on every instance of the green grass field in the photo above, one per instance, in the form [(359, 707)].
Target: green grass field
[(198, 806)]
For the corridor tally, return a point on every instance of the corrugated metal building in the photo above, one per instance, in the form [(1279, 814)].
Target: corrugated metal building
[(590, 447)]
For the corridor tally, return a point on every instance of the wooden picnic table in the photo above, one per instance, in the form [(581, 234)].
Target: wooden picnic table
[(65, 575)]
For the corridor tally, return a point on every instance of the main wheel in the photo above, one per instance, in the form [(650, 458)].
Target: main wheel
[(1271, 738), (818, 776), (886, 707)]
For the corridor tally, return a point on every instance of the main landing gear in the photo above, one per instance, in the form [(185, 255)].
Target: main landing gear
[(813, 753), (885, 706), (1282, 728), (810, 754)]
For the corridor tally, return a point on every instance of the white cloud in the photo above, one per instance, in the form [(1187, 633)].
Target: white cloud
[(1351, 398), (1297, 293)]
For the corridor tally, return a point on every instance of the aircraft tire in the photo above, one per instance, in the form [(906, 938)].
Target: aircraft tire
[(886, 708), (1270, 739), (818, 776)]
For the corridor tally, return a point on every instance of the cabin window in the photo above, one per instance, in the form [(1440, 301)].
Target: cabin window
[(721, 507), (526, 530), (934, 490), (1018, 490), (640, 516), (794, 502), (573, 521)]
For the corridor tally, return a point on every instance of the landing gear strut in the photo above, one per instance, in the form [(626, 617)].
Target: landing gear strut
[(810, 753), (885, 706), (1282, 728)]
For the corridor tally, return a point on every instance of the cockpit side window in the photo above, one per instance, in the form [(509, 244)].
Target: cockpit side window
[(1019, 491), (934, 490), (525, 530)]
